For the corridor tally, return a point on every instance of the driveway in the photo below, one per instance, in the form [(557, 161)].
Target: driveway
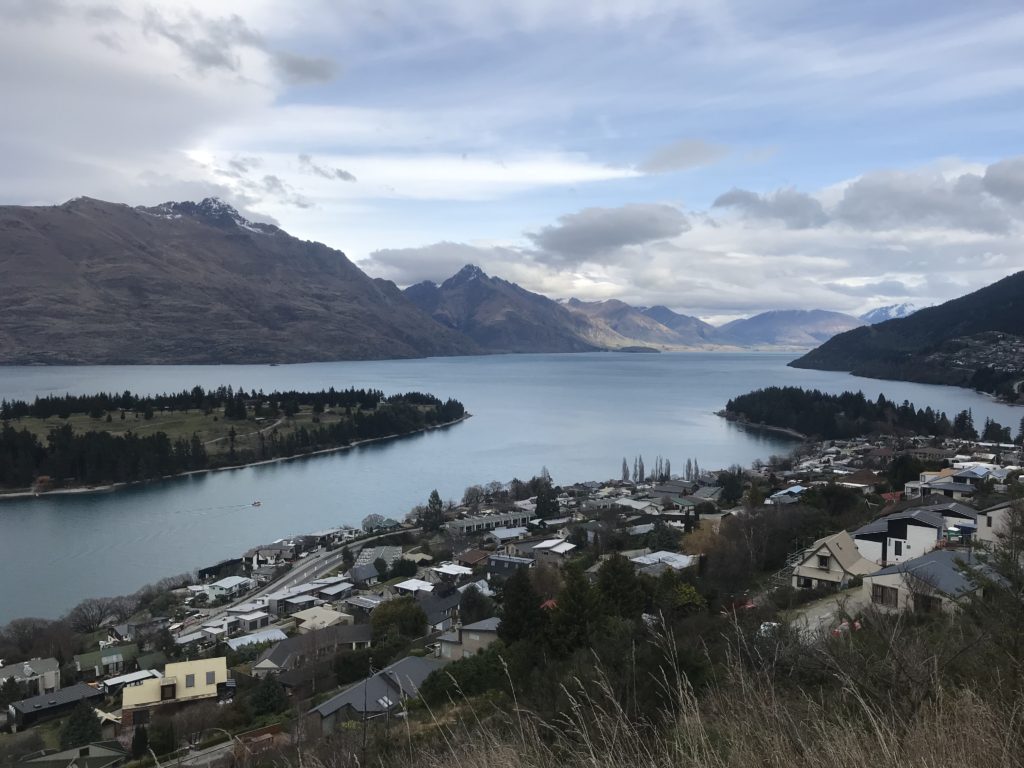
[(821, 615)]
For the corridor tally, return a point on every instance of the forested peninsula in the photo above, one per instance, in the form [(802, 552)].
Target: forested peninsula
[(76, 441), (815, 414)]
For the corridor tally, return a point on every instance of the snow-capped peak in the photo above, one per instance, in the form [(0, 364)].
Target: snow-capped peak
[(890, 312)]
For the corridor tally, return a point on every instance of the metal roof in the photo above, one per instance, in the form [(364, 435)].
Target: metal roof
[(69, 695)]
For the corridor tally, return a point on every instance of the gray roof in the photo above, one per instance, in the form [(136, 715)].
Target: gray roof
[(34, 667), (385, 689), (948, 571), (923, 515), (364, 572), (951, 486), (437, 608), (321, 638), (58, 698), (486, 625)]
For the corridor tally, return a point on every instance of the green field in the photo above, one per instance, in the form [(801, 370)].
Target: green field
[(213, 429)]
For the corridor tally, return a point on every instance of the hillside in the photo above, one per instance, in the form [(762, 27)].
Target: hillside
[(889, 312), (616, 324), (692, 330), (499, 316), (96, 282), (975, 340), (791, 328)]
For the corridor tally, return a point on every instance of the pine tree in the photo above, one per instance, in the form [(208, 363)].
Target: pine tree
[(521, 615), (625, 466), (642, 475), (433, 518), (140, 741), (577, 616), (82, 727)]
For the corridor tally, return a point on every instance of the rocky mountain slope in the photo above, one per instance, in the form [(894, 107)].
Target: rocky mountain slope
[(790, 328), (890, 312), (96, 282)]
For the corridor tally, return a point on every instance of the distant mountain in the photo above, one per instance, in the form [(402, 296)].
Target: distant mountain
[(788, 328), (976, 340), (691, 330), (890, 312), (615, 324), (96, 282), (499, 316)]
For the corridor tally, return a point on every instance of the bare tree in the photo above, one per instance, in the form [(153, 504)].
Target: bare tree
[(89, 615)]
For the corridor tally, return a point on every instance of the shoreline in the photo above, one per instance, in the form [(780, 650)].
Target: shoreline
[(735, 419), (113, 487)]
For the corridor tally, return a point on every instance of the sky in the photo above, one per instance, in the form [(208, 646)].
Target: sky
[(720, 158)]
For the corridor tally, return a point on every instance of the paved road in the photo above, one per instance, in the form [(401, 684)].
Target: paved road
[(313, 566)]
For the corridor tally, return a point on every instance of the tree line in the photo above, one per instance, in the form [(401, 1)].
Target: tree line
[(850, 414), (99, 456)]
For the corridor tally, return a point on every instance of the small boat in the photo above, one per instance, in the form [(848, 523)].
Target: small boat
[(257, 503)]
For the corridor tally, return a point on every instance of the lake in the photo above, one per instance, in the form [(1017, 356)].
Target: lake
[(578, 415)]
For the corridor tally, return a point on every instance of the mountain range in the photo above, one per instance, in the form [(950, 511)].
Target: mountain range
[(890, 312), (976, 340), (196, 282)]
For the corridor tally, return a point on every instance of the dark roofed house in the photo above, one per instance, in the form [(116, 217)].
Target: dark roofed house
[(472, 557), (100, 754), (380, 694), (305, 649), (28, 712), (440, 609), (39, 676)]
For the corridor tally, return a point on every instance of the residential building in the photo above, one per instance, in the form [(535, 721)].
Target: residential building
[(994, 522), (936, 581), (319, 617), (184, 682), (100, 754), (379, 695), (441, 608), (300, 650), (273, 635), (114, 684), (229, 587), (831, 561), (900, 536), (482, 523), (471, 558), (37, 709), (469, 639), (553, 551), (38, 676), (114, 660), (500, 567)]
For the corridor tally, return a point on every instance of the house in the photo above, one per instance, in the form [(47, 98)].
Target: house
[(37, 676), (184, 682), (114, 684), (831, 561), (788, 495), (319, 617), (500, 567), (337, 591), (553, 551), (441, 609), (673, 560), (451, 572), (482, 523), (471, 558), (131, 631), (936, 581), (503, 536), (229, 587), (295, 652), (37, 709), (100, 754), (468, 640), (365, 604), (995, 521), (257, 638), (378, 695), (412, 586), (365, 575), (107, 661), (370, 555), (250, 622), (900, 536)]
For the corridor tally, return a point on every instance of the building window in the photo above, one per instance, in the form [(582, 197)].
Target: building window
[(988, 521), (190, 681), (882, 595), (897, 548), (211, 678), (823, 561), (805, 583)]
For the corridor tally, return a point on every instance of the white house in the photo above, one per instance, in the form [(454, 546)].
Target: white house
[(900, 536), (937, 581), (229, 586), (833, 560)]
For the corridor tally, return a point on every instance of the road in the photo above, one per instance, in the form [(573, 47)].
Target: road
[(306, 569), (203, 757)]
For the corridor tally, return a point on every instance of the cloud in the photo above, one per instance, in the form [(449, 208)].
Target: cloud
[(794, 209), (308, 166), (300, 70), (595, 233), (437, 262), (681, 155), (873, 288), (1005, 179), (895, 200)]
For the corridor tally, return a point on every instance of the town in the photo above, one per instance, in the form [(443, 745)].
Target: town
[(334, 636)]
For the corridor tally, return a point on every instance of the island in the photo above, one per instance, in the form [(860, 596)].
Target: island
[(75, 442)]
